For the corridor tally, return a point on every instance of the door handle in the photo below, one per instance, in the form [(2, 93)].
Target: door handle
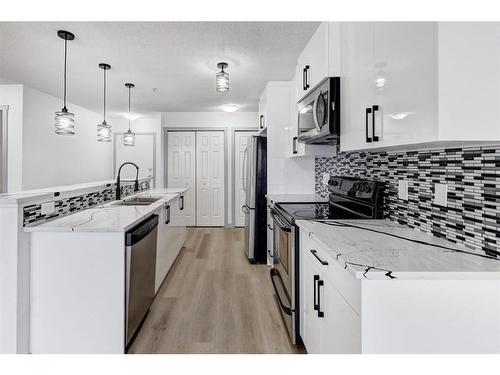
[(294, 145), (315, 304), (321, 314), (315, 253), (375, 137), (167, 219), (367, 113)]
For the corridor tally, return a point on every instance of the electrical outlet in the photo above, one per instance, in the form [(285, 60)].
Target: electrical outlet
[(441, 194), (403, 190), (48, 208), (326, 178)]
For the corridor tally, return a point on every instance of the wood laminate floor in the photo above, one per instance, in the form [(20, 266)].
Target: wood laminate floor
[(214, 301)]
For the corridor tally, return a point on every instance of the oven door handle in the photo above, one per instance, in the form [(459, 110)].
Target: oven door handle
[(280, 222), (274, 273)]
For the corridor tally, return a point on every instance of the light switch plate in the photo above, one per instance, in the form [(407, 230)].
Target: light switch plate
[(48, 208), (326, 178), (441, 194), (403, 190)]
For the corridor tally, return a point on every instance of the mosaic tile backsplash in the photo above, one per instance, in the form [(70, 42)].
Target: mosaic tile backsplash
[(33, 213), (472, 215)]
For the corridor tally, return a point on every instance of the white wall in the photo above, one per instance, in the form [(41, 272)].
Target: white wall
[(219, 120), (12, 95), (54, 160), (150, 124)]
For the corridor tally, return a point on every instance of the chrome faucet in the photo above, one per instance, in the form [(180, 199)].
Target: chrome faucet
[(136, 185)]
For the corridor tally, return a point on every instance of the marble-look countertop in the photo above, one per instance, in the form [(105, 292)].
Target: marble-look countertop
[(293, 198), (30, 196), (372, 255), (108, 217)]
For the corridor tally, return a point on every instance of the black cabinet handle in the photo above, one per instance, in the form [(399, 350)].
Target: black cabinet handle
[(315, 253), (321, 314), (261, 121), (181, 202), (294, 145), (306, 77), (374, 109), (315, 304), (167, 219), (368, 111)]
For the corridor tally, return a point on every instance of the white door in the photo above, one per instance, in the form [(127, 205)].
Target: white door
[(181, 165), (210, 178), (241, 139), (142, 154)]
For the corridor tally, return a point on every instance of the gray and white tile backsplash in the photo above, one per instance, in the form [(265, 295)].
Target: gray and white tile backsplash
[(472, 175), (33, 213)]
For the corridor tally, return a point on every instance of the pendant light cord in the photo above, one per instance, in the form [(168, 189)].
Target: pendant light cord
[(129, 108), (65, 60), (104, 95)]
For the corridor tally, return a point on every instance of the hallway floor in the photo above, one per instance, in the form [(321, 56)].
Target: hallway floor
[(214, 301)]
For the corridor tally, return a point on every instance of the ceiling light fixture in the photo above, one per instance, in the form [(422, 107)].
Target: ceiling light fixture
[(64, 120), (129, 137), (229, 107), (222, 78), (104, 129)]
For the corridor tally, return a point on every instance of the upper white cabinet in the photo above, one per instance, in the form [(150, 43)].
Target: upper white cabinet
[(388, 83), (417, 83), (319, 59)]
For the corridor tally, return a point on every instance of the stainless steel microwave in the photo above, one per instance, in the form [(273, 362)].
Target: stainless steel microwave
[(319, 113)]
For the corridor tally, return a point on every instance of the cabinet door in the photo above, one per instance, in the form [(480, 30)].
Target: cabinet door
[(311, 325), (404, 82), (357, 84), (340, 325)]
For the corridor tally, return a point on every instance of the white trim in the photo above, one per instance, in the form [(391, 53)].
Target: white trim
[(4, 119)]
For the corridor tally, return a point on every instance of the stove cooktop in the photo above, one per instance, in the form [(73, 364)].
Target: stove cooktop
[(316, 211)]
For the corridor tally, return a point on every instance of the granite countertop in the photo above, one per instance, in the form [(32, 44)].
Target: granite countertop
[(29, 196), (108, 217), (293, 198), (376, 255)]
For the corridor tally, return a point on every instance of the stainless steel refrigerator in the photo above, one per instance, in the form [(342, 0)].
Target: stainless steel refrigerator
[(255, 187)]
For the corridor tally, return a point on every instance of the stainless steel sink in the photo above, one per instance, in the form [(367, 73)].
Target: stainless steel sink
[(137, 201)]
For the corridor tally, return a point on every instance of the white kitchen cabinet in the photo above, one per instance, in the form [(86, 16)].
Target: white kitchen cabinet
[(168, 245), (329, 296), (313, 63), (389, 84), (270, 235)]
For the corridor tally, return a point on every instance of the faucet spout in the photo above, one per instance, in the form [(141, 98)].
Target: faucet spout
[(136, 184)]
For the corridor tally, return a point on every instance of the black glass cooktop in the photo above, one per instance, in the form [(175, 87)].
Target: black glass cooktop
[(316, 211)]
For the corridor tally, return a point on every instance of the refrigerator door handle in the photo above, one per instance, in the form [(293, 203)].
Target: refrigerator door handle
[(244, 172)]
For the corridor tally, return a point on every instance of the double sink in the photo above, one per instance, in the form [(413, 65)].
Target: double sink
[(137, 201)]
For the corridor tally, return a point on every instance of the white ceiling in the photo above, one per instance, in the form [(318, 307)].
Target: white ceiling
[(173, 64)]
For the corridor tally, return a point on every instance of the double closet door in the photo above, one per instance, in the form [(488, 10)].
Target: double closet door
[(196, 160)]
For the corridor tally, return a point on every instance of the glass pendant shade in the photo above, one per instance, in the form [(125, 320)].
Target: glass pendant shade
[(222, 78), (129, 138), (104, 132), (65, 122)]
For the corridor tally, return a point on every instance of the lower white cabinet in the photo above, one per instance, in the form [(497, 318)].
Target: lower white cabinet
[(270, 235), (171, 237), (329, 322)]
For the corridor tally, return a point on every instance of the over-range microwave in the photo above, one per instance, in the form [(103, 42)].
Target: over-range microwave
[(319, 113)]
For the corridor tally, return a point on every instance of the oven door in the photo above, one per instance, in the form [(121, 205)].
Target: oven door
[(283, 272)]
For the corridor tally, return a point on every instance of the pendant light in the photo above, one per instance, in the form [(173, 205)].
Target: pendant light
[(222, 78), (64, 120), (103, 129), (129, 137)]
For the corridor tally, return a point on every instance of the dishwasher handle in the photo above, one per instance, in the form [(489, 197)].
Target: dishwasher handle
[(141, 230)]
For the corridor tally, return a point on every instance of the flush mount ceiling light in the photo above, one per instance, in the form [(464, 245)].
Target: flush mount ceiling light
[(129, 137), (103, 129), (64, 120), (222, 78), (230, 107)]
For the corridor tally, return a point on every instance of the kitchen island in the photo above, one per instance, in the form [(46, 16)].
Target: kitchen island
[(79, 272), (375, 286)]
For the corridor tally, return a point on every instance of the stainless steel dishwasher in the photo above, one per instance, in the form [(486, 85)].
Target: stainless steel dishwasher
[(140, 250)]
